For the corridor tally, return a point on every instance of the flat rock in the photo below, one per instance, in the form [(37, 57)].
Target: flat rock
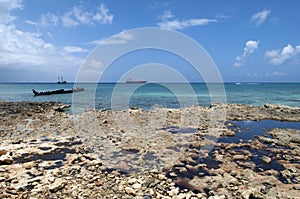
[(6, 159), (58, 184)]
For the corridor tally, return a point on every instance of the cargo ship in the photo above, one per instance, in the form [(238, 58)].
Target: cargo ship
[(129, 80)]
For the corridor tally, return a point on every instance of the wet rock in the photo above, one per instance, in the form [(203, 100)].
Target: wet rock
[(267, 140), (286, 173), (55, 163), (61, 108), (266, 159), (219, 158), (228, 133), (239, 157)]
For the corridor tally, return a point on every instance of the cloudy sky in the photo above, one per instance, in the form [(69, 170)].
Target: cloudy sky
[(248, 40)]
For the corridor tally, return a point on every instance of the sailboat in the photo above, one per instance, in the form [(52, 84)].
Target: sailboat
[(61, 80)]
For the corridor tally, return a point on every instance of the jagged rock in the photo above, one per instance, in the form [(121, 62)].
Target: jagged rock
[(266, 159), (217, 197), (174, 192), (130, 191), (252, 194), (28, 165), (6, 159), (53, 158), (136, 186), (3, 152), (58, 184)]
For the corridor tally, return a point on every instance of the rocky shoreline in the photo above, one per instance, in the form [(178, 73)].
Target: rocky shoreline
[(164, 153)]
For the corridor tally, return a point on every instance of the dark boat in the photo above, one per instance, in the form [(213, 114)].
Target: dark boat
[(60, 91), (136, 81), (61, 80)]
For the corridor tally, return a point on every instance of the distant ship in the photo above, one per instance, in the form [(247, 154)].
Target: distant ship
[(61, 80), (136, 81)]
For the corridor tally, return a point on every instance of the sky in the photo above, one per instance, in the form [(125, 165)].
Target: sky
[(249, 41)]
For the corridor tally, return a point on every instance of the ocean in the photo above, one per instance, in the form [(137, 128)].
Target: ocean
[(153, 95)]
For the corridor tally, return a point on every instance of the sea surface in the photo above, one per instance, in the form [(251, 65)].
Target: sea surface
[(153, 95)]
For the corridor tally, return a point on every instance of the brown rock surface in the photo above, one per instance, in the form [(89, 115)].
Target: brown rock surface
[(143, 154)]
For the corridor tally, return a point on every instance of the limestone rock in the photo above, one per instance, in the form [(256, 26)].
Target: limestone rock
[(136, 186), (266, 159), (6, 159), (58, 184), (130, 191)]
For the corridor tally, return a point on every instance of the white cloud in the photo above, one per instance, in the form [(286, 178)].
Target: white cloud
[(18, 49), (31, 22), (27, 50), (49, 19), (93, 66), (166, 21), (68, 21), (277, 57), (120, 38), (78, 16), (75, 17), (49, 35), (103, 16), (221, 16), (95, 42), (74, 49), (90, 71), (166, 15), (6, 6), (249, 49), (260, 17), (273, 74)]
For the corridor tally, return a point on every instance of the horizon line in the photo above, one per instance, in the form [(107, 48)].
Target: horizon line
[(154, 82)]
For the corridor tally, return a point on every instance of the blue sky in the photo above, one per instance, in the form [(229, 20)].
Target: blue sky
[(248, 40)]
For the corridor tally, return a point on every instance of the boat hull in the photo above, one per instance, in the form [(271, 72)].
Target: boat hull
[(55, 92)]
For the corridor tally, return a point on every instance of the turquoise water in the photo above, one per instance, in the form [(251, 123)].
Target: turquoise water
[(148, 96)]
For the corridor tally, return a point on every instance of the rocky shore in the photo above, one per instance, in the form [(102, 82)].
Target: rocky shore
[(195, 152)]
